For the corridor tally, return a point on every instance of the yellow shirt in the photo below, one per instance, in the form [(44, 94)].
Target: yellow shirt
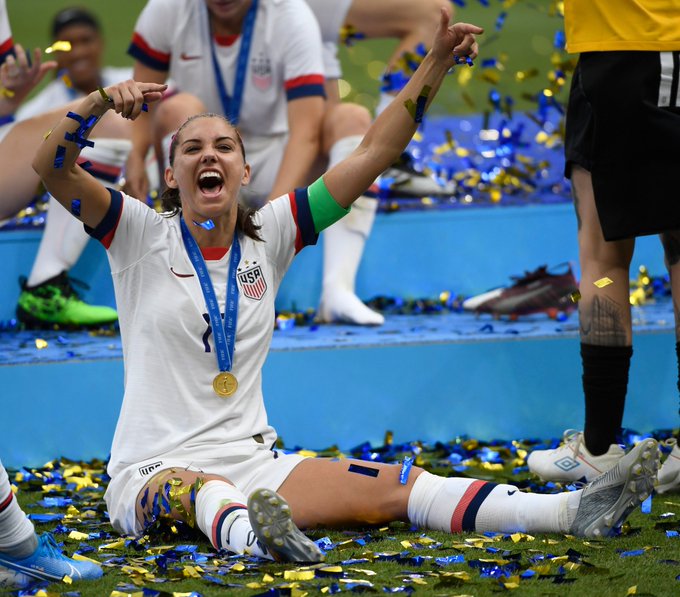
[(605, 25)]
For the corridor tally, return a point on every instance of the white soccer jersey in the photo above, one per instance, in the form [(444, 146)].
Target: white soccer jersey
[(331, 16), (6, 44), (170, 409), (57, 93), (284, 63)]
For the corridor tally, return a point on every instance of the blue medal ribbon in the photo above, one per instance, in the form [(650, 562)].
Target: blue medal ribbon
[(231, 105), (223, 332)]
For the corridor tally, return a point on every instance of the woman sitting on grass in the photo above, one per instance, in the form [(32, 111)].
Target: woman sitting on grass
[(195, 289)]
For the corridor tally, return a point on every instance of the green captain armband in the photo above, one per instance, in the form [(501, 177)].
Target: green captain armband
[(325, 210)]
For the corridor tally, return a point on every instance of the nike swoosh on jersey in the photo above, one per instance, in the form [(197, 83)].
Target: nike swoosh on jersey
[(185, 56), (181, 275)]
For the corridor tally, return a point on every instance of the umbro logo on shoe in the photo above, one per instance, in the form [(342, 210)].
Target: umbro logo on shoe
[(567, 464)]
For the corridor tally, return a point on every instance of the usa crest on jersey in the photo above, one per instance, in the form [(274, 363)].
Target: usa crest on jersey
[(253, 284)]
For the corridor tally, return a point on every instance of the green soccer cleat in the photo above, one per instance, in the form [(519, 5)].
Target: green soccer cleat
[(56, 303)]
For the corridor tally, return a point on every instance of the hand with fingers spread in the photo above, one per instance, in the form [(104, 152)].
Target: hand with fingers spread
[(20, 75)]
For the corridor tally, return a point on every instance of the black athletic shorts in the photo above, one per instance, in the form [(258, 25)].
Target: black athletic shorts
[(623, 126)]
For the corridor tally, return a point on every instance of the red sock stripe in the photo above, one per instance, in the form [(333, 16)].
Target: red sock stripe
[(6, 502), (459, 513), (218, 521)]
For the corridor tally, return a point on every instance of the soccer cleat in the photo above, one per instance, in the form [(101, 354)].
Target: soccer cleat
[(608, 500), (572, 461), (46, 563), (403, 180), (669, 475), (273, 525), (55, 302), (535, 292)]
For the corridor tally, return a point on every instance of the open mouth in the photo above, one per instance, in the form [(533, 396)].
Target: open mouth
[(210, 183)]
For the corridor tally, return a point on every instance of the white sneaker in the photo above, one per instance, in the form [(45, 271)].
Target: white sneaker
[(273, 525), (609, 499), (572, 461), (669, 475)]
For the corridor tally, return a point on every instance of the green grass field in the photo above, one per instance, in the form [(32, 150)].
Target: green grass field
[(643, 561), (524, 42)]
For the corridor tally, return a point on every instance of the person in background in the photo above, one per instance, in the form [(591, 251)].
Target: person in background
[(26, 558), (624, 94), (47, 297), (410, 23)]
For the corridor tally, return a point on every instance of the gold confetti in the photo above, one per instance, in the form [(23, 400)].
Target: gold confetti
[(602, 282), (59, 46), (6, 92), (298, 574), (40, 343), (575, 296)]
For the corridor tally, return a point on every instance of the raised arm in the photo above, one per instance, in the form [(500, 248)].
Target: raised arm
[(394, 128), (19, 76), (55, 161)]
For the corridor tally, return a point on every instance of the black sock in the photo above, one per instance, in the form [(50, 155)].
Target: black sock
[(605, 383)]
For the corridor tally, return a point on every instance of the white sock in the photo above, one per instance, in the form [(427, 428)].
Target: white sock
[(457, 505), (222, 515), (17, 535), (64, 239), (343, 248), (61, 245)]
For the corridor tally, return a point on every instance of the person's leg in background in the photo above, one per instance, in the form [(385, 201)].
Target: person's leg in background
[(669, 475), (26, 558), (344, 242), (606, 346)]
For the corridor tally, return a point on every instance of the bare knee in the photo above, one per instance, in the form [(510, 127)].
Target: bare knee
[(171, 493), (344, 120)]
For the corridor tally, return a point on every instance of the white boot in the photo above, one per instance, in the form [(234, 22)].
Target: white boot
[(343, 246)]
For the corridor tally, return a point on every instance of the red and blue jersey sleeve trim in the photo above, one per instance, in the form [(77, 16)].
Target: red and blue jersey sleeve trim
[(143, 52), (100, 170), (106, 229), (307, 86), (6, 48), (302, 214)]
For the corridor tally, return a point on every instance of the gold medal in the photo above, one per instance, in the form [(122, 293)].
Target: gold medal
[(225, 384)]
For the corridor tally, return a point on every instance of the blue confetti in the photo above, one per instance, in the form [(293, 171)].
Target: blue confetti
[(75, 207), (405, 470), (420, 108), (646, 506), (207, 225), (59, 156), (632, 553)]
